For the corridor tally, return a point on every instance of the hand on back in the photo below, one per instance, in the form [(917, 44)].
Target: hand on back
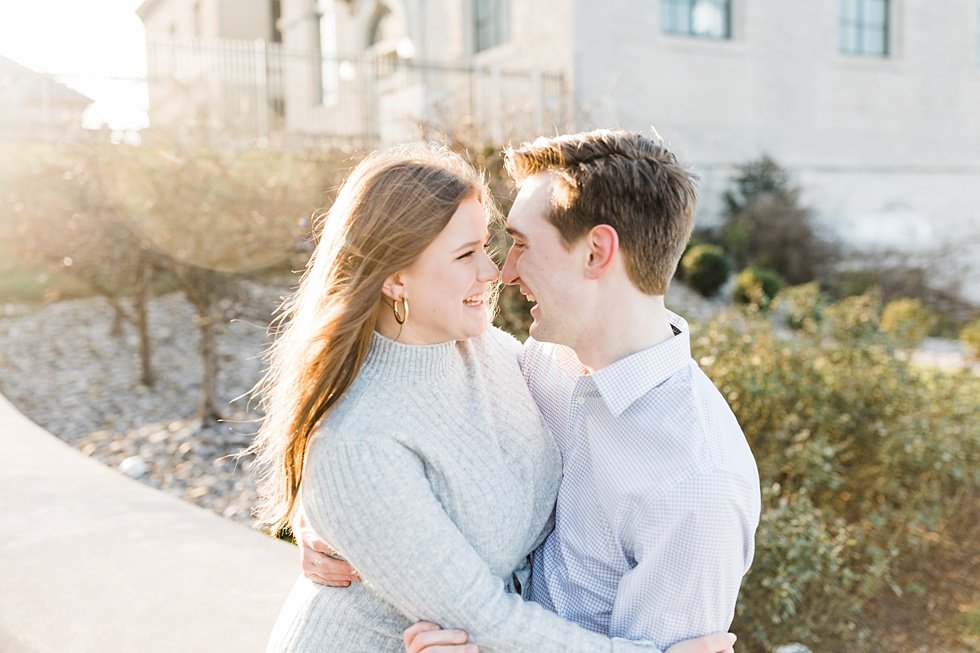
[(320, 562), (427, 637)]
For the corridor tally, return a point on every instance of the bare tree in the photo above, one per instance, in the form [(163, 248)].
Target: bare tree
[(216, 217), (64, 219)]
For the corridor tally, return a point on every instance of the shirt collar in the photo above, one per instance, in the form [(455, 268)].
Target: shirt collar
[(628, 379)]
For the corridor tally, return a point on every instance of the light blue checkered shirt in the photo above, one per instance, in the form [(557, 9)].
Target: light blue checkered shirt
[(657, 510)]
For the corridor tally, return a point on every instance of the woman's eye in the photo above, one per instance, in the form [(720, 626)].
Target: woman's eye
[(465, 255)]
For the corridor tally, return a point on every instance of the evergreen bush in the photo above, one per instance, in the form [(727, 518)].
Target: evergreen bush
[(907, 321), (765, 225), (705, 268), (757, 286), (970, 335), (801, 307), (863, 458)]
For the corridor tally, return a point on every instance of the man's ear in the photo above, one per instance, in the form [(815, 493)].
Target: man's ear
[(603, 246), (394, 286)]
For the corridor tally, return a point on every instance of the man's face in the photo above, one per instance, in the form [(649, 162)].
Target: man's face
[(548, 273)]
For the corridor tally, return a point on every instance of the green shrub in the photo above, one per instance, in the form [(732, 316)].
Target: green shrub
[(907, 321), (765, 225), (705, 268), (801, 307), (757, 286), (864, 458), (855, 318), (802, 571), (970, 335)]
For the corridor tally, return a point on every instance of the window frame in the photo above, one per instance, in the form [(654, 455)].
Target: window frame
[(671, 23), (853, 28), (497, 18)]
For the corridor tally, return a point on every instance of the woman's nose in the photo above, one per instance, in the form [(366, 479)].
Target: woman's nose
[(490, 271)]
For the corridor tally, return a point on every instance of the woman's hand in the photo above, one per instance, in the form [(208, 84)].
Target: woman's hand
[(428, 637), (320, 562), (715, 643)]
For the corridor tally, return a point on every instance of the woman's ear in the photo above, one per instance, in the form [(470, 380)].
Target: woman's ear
[(603, 244), (394, 287)]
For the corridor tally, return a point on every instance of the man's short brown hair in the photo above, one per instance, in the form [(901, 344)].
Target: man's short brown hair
[(625, 180)]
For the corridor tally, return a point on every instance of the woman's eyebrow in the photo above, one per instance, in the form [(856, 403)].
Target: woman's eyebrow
[(472, 243)]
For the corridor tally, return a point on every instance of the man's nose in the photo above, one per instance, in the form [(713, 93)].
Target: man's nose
[(508, 273)]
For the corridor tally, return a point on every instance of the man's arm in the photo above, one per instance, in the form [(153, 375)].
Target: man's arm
[(691, 548)]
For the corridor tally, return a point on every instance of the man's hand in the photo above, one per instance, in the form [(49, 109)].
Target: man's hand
[(318, 559), (431, 638), (716, 643)]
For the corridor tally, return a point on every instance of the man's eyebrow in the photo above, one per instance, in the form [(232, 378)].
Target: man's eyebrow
[(515, 232)]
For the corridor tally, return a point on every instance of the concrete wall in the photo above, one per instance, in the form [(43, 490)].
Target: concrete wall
[(181, 18), (780, 83), (229, 19), (245, 20), (93, 562), (886, 150)]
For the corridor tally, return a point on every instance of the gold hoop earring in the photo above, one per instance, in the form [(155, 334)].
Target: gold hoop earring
[(400, 318)]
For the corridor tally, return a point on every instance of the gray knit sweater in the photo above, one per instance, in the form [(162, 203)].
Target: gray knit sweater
[(434, 476)]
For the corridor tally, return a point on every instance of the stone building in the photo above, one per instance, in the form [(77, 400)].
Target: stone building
[(872, 105)]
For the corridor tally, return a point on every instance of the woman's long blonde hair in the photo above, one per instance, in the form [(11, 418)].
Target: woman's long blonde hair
[(393, 204)]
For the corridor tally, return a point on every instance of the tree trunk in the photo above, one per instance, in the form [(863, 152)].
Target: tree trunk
[(141, 298), (207, 410), (119, 318)]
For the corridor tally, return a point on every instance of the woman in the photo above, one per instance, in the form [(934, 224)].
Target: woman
[(402, 420)]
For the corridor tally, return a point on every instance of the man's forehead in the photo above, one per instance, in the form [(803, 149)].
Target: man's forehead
[(532, 202), (536, 184)]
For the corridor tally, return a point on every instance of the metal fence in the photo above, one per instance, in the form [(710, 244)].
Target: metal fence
[(262, 91)]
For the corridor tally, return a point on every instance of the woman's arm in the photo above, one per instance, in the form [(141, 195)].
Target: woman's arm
[(373, 503)]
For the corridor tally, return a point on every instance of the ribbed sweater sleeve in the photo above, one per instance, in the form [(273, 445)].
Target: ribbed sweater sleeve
[(373, 502)]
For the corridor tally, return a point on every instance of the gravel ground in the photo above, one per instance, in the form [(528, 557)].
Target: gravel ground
[(61, 367)]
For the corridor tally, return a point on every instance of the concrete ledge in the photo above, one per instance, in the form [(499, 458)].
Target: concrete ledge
[(92, 561)]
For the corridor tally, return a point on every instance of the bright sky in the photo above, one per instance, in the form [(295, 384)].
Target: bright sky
[(94, 46)]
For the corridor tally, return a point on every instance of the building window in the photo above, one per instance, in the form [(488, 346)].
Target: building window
[(864, 27), (705, 18), (491, 21), (978, 34), (327, 36)]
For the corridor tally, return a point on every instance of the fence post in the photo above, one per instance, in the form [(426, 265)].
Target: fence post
[(496, 106), (537, 93), (262, 98)]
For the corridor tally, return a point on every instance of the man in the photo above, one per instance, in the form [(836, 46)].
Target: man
[(658, 506)]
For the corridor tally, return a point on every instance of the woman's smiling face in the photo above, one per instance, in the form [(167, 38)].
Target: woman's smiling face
[(448, 285)]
